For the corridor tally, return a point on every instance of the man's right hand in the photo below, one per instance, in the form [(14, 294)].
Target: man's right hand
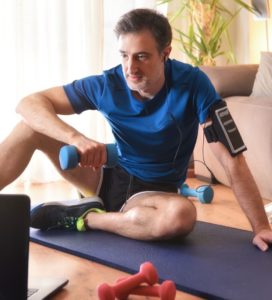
[(92, 154)]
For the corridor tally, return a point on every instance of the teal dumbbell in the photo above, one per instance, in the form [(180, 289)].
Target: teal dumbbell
[(203, 193), (69, 156)]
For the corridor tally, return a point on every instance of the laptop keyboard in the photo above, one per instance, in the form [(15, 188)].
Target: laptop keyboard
[(30, 292)]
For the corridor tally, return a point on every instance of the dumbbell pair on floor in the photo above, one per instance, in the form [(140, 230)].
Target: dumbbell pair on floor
[(142, 283), (69, 159)]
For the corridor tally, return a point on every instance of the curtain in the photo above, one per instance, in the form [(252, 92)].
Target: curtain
[(46, 43)]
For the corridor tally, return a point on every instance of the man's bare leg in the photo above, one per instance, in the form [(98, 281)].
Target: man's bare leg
[(148, 216), (17, 149)]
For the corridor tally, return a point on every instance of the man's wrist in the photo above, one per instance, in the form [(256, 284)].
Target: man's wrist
[(260, 227), (74, 136)]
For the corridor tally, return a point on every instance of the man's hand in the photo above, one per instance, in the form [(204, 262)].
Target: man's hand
[(262, 239), (92, 154)]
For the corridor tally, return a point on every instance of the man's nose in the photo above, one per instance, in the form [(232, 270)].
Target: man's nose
[(131, 65)]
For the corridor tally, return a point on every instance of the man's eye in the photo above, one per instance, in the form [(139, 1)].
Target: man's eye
[(142, 57), (123, 55)]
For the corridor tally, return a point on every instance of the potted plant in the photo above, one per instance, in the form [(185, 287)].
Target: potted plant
[(208, 21)]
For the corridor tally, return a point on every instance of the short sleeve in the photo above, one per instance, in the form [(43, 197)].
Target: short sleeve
[(204, 95), (85, 93)]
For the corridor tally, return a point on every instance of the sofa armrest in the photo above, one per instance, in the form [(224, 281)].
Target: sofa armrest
[(232, 80)]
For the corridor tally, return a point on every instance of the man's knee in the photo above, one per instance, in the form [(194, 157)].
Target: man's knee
[(179, 218), (186, 217), (29, 140), (26, 134), (165, 215)]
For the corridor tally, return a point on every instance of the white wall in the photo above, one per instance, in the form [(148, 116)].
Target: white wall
[(250, 36)]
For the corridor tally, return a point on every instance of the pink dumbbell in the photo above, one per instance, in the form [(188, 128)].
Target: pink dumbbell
[(165, 291), (147, 274)]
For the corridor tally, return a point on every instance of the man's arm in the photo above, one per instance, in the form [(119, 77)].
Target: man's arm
[(40, 111), (246, 192)]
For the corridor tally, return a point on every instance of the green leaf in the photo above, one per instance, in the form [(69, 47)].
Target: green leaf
[(194, 42)]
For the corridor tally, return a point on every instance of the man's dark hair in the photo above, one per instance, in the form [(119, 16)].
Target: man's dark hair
[(146, 19)]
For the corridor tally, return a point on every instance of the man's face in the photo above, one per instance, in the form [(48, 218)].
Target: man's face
[(143, 65)]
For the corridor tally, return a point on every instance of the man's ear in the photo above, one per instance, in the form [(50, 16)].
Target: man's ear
[(166, 52)]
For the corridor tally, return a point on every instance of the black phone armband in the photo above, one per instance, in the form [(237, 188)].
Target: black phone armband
[(223, 129)]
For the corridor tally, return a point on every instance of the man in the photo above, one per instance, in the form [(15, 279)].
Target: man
[(154, 106)]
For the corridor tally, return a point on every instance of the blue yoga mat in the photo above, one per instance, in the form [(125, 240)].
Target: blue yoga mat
[(214, 262)]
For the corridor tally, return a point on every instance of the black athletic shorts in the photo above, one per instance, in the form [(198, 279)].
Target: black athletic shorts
[(118, 186)]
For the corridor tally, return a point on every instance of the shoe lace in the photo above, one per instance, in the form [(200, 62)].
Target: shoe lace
[(67, 222)]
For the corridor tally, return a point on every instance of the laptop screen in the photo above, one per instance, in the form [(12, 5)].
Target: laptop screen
[(14, 236)]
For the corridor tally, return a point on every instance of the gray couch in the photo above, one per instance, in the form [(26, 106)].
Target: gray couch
[(253, 116)]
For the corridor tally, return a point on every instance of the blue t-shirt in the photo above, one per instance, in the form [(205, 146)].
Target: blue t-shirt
[(155, 138)]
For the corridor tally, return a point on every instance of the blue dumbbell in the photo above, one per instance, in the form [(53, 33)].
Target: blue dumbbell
[(69, 156), (203, 193)]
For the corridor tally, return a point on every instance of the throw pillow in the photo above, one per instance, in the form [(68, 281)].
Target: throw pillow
[(263, 82)]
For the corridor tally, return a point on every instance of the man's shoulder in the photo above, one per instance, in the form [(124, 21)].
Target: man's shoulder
[(182, 72), (108, 78), (114, 76), (114, 72)]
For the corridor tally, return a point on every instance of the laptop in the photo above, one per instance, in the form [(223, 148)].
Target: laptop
[(14, 251)]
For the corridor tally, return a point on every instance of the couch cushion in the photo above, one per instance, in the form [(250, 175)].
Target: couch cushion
[(263, 82), (232, 80)]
